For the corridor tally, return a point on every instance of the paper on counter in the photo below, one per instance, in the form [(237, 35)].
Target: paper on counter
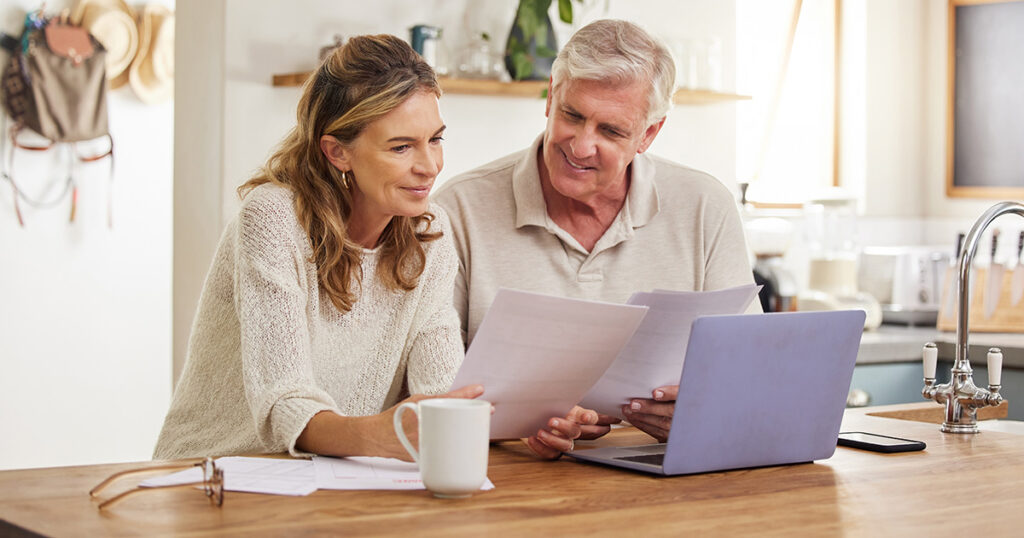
[(654, 356), (537, 355), (251, 475), (370, 473)]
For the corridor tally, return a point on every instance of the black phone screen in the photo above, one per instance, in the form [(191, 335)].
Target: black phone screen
[(878, 443)]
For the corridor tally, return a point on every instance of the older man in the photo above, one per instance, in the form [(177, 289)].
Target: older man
[(585, 212)]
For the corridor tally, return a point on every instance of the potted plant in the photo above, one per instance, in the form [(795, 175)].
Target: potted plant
[(531, 46)]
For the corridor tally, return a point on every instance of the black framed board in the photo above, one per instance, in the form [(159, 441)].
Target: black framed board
[(985, 113)]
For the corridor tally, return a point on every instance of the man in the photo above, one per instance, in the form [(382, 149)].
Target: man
[(585, 212)]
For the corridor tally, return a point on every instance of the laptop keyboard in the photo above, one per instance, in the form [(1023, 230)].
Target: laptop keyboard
[(652, 459)]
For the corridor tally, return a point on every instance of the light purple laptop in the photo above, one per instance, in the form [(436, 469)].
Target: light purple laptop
[(756, 390)]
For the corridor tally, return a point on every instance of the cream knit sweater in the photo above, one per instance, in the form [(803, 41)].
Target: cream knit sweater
[(269, 350)]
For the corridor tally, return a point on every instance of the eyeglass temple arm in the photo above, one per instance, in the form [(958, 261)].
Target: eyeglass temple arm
[(122, 495), (117, 476)]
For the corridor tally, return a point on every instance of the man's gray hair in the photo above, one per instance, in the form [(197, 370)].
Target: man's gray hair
[(619, 52)]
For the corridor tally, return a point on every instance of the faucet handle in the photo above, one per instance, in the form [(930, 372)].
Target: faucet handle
[(995, 368), (930, 355)]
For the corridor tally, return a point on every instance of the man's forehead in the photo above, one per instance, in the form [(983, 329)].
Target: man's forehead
[(572, 95)]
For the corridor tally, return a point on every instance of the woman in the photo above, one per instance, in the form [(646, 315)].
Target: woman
[(330, 295)]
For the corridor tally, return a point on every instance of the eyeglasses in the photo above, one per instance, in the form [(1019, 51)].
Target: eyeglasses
[(213, 482)]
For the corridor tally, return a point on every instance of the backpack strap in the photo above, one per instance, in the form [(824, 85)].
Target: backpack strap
[(19, 194), (110, 179)]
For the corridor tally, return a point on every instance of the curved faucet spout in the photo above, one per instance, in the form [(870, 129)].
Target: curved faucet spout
[(961, 397), (966, 255)]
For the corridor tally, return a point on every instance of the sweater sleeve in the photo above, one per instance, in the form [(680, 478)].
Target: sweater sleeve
[(437, 350), (280, 387)]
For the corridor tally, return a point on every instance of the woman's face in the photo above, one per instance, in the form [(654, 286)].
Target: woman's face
[(392, 164)]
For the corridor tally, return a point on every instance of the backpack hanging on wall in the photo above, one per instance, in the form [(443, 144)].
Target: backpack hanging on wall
[(54, 83)]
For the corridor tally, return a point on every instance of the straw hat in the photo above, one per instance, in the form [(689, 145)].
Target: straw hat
[(151, 74), (112, 23)]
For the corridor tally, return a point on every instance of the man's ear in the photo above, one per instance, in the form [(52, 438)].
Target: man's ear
[(650, 134), (335, 152)]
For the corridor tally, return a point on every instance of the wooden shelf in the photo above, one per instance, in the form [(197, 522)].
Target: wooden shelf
[(529, 88)]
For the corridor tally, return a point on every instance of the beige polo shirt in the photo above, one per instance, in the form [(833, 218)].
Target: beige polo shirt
[(678, 230)]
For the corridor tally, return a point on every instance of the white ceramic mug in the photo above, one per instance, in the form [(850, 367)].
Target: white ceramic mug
[(454, 441)]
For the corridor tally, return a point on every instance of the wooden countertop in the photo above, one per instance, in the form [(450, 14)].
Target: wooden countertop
[(959, 483)]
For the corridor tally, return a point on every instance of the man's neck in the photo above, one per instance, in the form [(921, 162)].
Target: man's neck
[(585, 220)]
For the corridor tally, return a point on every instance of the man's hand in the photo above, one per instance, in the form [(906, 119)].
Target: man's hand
[(549, 443), (653, 415)]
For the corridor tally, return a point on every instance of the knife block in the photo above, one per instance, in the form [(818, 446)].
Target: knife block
[(1006, 318)]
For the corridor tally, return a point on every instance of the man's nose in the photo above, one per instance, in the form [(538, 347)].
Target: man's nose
[(584, 143)]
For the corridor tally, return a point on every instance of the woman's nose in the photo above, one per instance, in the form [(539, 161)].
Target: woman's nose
[(429, 162)]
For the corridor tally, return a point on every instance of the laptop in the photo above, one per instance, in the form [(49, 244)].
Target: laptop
[(755, 390)]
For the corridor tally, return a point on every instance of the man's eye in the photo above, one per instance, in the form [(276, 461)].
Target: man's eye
[(437, 140), (400, 149)]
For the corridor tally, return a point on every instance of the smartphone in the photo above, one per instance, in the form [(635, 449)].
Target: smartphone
[(878, 443)]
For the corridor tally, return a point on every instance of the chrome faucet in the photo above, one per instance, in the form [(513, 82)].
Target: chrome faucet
[(961, 396)]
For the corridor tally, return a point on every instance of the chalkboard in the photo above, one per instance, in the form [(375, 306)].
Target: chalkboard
[(985, 142)]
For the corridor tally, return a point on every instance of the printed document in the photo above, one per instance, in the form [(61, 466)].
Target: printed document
[(654, 356), (537, 355), (370, 473), (273, 476)]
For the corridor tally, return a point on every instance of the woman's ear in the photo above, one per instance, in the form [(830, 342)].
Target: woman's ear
[(335, 152)]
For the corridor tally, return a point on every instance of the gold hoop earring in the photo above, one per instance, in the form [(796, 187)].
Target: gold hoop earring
[(344, 179)]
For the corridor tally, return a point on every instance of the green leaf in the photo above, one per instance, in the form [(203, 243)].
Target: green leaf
[(515, 46), (565, 11), (545, 52), (523, 65)]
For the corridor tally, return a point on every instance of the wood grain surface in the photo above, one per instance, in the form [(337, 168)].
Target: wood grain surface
[(959, 483)]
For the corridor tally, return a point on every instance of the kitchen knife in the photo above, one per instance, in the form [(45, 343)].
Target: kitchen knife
[(995, 278), (1017, 283)]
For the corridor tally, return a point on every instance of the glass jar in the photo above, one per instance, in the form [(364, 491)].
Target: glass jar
[(832, 245)]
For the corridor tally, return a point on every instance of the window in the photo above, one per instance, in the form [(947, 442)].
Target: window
[(786, 136)]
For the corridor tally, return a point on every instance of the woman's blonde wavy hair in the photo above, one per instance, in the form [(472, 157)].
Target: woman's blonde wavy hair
[(357, 84)]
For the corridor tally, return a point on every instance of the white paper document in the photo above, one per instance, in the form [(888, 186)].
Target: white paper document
[(654, 356), (369, 473), (251, 475), (537, 355)]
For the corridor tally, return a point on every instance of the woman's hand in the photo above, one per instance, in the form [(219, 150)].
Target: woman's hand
[(331, 434)]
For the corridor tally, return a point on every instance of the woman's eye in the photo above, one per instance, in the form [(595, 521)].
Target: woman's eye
[(400, 149), (437, 140)]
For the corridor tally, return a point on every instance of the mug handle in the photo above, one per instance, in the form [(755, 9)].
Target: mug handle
[(400, 431)]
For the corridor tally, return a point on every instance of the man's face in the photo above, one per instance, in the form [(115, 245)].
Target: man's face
[(594, 130)]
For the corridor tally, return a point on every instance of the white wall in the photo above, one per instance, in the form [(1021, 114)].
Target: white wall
[(85, 315), (267, 38)]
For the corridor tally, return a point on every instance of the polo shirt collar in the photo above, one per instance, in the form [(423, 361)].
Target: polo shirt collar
[(641, 201)]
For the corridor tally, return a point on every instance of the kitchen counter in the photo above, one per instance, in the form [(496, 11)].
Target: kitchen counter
[(889, 364), (959, 485), (897, 343)]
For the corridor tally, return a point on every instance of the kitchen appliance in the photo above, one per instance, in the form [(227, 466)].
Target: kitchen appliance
[(906, 280), (769, 238), (831, 227)]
